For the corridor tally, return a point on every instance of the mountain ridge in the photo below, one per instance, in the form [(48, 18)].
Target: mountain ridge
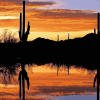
[(82, 51)]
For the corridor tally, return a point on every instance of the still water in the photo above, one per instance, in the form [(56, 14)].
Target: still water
[(46, 85)]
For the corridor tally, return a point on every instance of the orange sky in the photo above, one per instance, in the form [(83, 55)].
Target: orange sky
[(47, 23), (44, 80)]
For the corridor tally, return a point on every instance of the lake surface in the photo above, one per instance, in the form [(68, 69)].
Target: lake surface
[(46, 85)]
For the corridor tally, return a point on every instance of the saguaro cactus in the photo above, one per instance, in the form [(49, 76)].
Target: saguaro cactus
[(68, 69), (22, 34), (94, 31), (23, 38), (98, 68)]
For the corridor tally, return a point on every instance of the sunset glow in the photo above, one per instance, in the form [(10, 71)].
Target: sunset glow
[(48, 21), (44, 81), (67, 19)]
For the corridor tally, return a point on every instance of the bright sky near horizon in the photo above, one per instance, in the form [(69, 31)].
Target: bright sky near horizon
[(51, 17)]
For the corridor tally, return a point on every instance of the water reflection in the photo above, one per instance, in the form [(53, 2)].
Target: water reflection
[(22, 77), (7, 72), (45, 82)]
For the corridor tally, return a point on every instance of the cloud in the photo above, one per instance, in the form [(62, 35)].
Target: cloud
[(70, 90), (72, 11), (19, 3), (47, 20), (56, 20), (61, 13), (41, 3), (8, 17), (57, 5)]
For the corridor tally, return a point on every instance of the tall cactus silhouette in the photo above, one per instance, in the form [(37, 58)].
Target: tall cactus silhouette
[(57, 70), (68, 69), (57, 64), (94, 31), (98, 68), (23, 36)]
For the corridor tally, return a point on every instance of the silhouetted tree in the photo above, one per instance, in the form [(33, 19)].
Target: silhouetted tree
[(8, 71), (8, 37)]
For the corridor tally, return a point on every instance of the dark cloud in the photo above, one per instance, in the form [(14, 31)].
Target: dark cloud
[(64, 90), (67, 14), (11, 1), (40, 3), (5, 94), (20, 2), (10, 9)]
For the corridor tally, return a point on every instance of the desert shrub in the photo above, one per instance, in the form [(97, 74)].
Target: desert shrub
[(8, 37)]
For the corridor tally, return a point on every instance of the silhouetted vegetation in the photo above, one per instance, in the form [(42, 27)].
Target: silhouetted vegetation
[(94, 31), (23, 36), (8, 72), (8, 37), (79, 51)]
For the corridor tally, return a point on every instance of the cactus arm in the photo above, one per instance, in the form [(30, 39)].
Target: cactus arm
[(28, 28), (95, 80), (20, 27), (20, 36), (23, 17)]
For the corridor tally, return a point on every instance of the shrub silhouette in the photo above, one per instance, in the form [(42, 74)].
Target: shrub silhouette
[(8, 37)]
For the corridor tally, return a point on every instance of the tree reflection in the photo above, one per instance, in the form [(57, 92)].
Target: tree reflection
[(8, 71)]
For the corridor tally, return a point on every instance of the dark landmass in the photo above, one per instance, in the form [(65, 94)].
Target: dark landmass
[(78, 51)]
